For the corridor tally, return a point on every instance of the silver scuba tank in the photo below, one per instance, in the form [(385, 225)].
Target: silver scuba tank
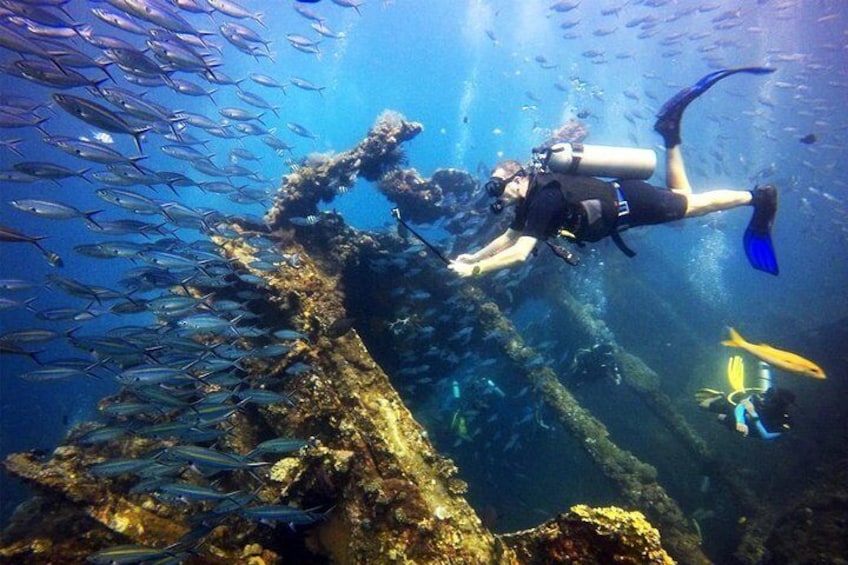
[(601, 161), (763, 376)]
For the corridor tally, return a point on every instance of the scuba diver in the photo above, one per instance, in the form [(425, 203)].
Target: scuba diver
[(582, 208), (766, 408), (595, 363), (469, 399)]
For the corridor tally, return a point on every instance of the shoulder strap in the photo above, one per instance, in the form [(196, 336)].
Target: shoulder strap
[(623, 210), (616, 238)]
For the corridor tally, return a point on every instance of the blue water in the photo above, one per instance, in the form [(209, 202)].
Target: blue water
[(489, 80)]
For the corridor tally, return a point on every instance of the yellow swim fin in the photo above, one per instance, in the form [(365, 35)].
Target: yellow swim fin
[(736, 372)]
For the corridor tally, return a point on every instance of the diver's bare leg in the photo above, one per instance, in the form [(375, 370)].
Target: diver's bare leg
[(675, 171), (715, 200), (704, 202)]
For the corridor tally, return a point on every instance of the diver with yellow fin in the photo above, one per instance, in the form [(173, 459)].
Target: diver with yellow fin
[(763, 407)]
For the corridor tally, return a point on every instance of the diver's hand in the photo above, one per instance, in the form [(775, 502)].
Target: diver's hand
[(464, 258), (462, 269), (742, 429)]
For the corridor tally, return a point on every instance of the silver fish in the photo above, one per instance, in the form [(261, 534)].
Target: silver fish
[(91, 150), (119, 21), (236, 11), (265, 80), (156, 13), (256, 100), (240, 114), (49, 74), (298, 129), (52, 209), (355, 4), (99, 116), (41, 170), (306, 85)]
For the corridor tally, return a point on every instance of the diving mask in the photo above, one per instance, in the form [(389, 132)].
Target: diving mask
[(495, 186)]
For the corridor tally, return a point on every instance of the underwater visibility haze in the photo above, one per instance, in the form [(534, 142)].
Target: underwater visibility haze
[(220, 220)]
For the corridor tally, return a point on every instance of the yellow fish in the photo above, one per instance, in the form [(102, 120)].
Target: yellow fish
[(776, 357)]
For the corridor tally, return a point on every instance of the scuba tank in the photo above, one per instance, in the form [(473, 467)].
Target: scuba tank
[(591, 161), (455, 390), (763, 376), (599, 160)]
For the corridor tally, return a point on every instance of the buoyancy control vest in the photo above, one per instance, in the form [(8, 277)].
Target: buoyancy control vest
[(591, 205)]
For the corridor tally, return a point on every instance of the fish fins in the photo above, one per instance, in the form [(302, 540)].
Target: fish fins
[(735, 340)]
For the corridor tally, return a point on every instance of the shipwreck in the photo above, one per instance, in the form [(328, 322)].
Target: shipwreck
[(368, 483)]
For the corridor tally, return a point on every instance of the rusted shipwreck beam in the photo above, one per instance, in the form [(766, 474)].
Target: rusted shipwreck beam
[(396, 498), (636, 480), (321, 177), (405, 494), (646, 382)]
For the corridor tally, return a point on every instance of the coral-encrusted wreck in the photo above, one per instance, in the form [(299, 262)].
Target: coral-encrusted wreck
[(379, 490)]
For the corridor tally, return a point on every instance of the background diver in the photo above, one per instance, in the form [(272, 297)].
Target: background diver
[(594, 363), (765, 408), (589, 209)]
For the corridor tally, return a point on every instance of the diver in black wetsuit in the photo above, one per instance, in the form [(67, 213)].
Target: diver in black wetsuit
[(767, 412), (595, 363), (589, 209)]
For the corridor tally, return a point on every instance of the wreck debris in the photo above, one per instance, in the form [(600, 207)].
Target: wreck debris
[(635, 479), (583, 535), (638, 375), (395, 496), (72, 492), (816, 515), (322, 176)]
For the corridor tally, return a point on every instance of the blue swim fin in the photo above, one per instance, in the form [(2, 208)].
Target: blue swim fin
[(760, 251), (669, 116), (757, 238)]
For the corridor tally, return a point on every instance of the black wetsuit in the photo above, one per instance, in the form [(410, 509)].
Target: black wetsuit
[(590, 208), (595, 363), (772, 410)]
